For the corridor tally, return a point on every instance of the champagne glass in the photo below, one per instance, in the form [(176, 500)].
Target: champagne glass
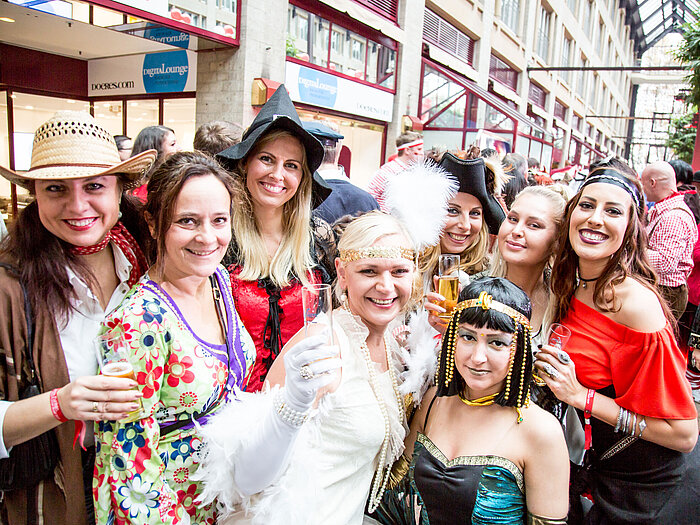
[(317, 300), (113, 358), (448, 283), (557, 337)]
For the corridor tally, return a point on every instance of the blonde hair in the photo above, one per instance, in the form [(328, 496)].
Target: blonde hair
[(557, 197), (472, 260), (367, 229), (293, 257)]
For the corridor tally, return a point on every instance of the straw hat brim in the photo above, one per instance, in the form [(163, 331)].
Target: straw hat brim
[(132, 169)]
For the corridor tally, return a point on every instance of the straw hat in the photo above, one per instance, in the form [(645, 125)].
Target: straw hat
[(72, 145)]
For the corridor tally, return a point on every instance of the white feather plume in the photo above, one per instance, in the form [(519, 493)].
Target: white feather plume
[(420, 356), (418, 198)]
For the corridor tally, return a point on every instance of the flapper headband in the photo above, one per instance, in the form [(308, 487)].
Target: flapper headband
[(616, 178), (418, 142), (486, 302), (377, 252)]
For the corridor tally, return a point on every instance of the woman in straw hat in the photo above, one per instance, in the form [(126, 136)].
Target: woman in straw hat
[(68, 260), (273, 253)]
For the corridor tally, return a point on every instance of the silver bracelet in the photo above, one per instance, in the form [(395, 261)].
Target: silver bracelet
[(642, 426), (634, 424), (287, 414), (625, 421), (619, 419)]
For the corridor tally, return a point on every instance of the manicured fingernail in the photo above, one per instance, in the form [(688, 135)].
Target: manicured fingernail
[(133, 384), (133, 406)]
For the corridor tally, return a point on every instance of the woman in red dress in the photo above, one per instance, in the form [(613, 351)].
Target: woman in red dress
[(273, 249), (622, 369)]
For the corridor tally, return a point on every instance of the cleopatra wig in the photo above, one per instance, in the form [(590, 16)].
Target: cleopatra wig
[(496, 304)]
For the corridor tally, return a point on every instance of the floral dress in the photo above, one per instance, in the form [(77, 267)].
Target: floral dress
[(139, 477)]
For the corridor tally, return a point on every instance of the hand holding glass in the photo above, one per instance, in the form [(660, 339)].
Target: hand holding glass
[(448, 283), (317, 301), (557, 337), (113, 358)]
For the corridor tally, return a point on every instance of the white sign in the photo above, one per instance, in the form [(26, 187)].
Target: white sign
[(317, 88), (166, 72)]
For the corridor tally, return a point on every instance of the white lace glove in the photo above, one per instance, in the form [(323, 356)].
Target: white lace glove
[(265, 454)]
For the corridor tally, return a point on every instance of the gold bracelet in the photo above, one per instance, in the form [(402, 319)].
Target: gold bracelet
[(533, 519)]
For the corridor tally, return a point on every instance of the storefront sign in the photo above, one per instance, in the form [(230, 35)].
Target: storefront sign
[(316, 88), (167, 72)]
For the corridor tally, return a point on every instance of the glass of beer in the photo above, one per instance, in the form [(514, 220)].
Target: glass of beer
[(448, 283), (113, 357)]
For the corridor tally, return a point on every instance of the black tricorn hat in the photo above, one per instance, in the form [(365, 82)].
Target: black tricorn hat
[(472, 176), (279, 113)]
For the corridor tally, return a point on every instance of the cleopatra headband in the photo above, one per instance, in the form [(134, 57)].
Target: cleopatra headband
[(377, 252), (616, 178), (418, 142), (486, 302)]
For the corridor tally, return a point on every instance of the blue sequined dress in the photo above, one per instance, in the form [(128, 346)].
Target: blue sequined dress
[(468, 489)]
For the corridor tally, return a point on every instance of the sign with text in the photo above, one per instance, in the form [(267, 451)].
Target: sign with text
[(167, 72), (317, 88)]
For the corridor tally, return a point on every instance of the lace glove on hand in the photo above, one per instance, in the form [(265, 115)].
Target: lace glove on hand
[(265, 455)]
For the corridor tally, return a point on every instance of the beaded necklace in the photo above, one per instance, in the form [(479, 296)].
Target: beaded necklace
[(381, 476)]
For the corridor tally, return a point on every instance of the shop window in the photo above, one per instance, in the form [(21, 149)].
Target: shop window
[(537, 95), (109, 113), (313, 39), (140, 114), (503, 73), (179, 115), (443, 103), (510, 14), (441, 33), (388, 9)]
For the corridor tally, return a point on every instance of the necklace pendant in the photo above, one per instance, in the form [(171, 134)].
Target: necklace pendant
[(584, 285)]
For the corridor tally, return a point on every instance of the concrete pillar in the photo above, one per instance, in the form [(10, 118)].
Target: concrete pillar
[(408, 68), (225, 77)]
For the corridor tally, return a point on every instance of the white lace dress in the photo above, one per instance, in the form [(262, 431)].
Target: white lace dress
[(334, 458)]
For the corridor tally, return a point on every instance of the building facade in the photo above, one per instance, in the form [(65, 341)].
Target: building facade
[(460, 71)]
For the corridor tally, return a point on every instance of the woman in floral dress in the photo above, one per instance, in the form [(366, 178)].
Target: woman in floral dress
[(188, 346)]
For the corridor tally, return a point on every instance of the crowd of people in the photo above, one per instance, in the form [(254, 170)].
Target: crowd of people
[(400, 407)]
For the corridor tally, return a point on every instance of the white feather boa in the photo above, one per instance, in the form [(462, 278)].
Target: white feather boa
[(418, 198), (420, 356), (291, 500)]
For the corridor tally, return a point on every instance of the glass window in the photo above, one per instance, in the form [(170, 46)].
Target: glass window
[(179, 115), (496, 119), (381, 64), (510, 13), (439, 92), (141, 114), (543, 33), (565, 54), (109, 114), (106, 18)]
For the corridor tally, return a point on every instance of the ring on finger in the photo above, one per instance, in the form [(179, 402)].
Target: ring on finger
[(550, 371), (563, 357), (305, 372), (95, 407)]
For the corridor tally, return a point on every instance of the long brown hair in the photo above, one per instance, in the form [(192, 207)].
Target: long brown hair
[(165, 185), (43, 259), (630, 260)]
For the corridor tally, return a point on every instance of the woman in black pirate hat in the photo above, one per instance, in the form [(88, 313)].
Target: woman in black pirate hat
[(272, 254)]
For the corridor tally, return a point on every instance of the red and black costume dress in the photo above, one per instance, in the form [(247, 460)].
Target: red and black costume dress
[(643, 483)]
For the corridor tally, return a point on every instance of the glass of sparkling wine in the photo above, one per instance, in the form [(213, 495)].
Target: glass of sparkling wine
[(557, 336), (113, 357), (317, 300), (448, 283)]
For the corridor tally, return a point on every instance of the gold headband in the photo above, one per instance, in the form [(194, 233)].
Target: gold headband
[(486, 302), (377, 252)]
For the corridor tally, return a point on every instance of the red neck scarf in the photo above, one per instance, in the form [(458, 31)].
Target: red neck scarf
[(126, 243)]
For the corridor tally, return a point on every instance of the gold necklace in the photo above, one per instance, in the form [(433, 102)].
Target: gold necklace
[(481, 402)]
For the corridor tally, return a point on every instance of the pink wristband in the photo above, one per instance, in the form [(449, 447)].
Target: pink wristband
[(56, 407)]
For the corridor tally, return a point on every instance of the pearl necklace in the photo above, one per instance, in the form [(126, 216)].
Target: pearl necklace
[(381, 476)]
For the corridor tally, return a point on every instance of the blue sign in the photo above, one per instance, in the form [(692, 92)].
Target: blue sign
[(317, 88), (165, 72), (165, 35)]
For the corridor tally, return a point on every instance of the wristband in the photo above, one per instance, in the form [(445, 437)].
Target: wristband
[(56, 407), (587, 418)]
